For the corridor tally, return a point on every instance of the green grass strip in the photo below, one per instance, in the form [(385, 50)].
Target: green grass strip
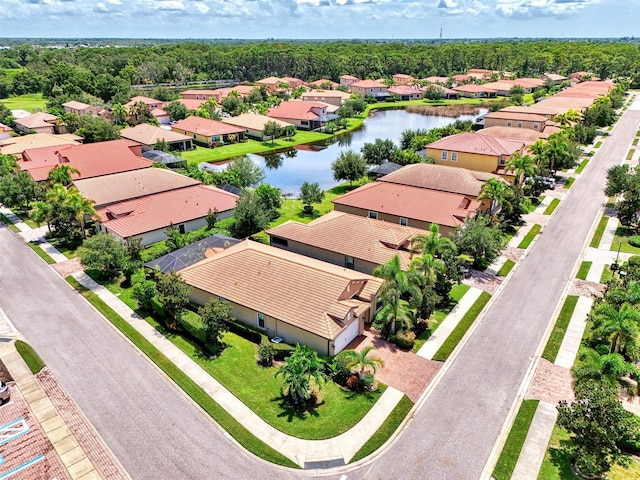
[(560, 328), (226, 421), (552, 206), (607, 274), (597, 237), (450, 343), (598, 145), (569, 182), (9, 224), (384, 432), (526, 241), (582, 166), (630, 154), (506, 268), (30, 356), (635, 142), (515, 440), (41, 253), (584, 270)]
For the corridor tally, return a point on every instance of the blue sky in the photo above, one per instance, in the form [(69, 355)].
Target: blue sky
[(317, 19)]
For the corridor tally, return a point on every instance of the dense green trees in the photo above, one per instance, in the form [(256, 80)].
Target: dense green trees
[(310, 193), (379, 151), (349, 165)]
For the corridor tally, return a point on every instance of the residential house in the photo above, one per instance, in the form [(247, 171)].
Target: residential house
[(164, 158), (514, 119), (448, 93), (80, 108), (191, 103), (254, 124), (554, 78), (350, 241), (290, 296), (406, 92), (302, 114), (192, 254), (524, 135), (323, 84), (150, 135), (332, 97), (39, 122), (270, 82), (563, 103), (409, 206), (90, 160), (5, 131), (536, 109), (437, 80), (347, 80), (403, 79), (17, 145), (501, 87), (461, 79), (148, 217), (203, 95), (151, 103), (529, 85), (162, 116), (293, 82), (369, 87), (209, 133), (119, 187), (218, 94), (472, 90), (481, 73), (474, 152)]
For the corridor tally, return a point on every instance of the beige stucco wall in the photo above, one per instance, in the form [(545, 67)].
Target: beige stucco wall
[(501, 122), (471, 161)]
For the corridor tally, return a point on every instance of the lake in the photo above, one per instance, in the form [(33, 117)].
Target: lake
[(312, 163)]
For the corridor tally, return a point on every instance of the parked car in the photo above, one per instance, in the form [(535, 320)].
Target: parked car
[(548, 182), (5, 393)]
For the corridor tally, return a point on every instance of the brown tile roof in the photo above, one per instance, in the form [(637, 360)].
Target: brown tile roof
[(526, 117), (474, 143), (76, 105), (291, 288), (555, 77), (349, 77), (443, 208), (269, 81), (402, 75), (536, 108), (322, 81), (150, 134), (296, 110), (253, 121), (17, 145), (206, 126), (444, 178), (39, 119), (368, 84), (404, 90), (123, 186), (524, 135), (153, 212), (370, 240)]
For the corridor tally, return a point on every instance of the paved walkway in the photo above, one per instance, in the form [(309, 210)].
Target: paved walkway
[(535, 445), (573, 336)]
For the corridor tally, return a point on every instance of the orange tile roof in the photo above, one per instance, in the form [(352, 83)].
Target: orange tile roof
[(306, 293), (474, 143), (206, 126), (535, 108), (153, 212), (39, 119), (296, 110), (368, 84), (269, 81), (145, 100), (461, 78), (444, 178), (150, 134), (443, 208), (473, 88), (404, 90), (198, 92), (370, 240), (5, 128), (349, 77), (190, 103), (437, 79), (17, 145)]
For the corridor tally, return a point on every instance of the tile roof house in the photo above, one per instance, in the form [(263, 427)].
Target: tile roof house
[(209, 133), (369, 87), (293, 82), (149, 217), (332, 97), (198, 95), (440, 80), (151, 103), (403, 79), (80, 108), (448, 93), (555, 78), (5, 131), (406, 92), (296, 298), (39, 122), (473, 151), (346, 80), (302, 114), (17, 145), (409, 206), (351, 241), (536, 108), (461, 78), (119, 187), (322, 83), (502, 118), (149, 135), (254, 123), (91, 160), (270, 82), (191, 103), (524, 135), (472, 90)]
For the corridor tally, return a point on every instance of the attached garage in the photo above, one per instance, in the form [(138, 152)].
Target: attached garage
[(345, 337)]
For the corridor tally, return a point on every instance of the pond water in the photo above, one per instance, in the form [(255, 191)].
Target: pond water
[(312, 162)]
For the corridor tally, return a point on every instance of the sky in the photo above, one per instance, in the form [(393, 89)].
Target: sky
[(318, 19)]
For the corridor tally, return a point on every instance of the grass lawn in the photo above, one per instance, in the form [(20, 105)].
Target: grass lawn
[(583, 271), (63, 248), (597, 145), (560, 328), (203, 154), (635, 142), (387, 428), (569, 182), (526, 241), (226, 421), (506, 268), (41, 253), (621, 240), (597, 237), (30, 102), (607, 274), (439, 315), (512, 447), (25, 218), (30, 356), (630, 154), (8, 223), (552, 206), (582, 166), (450, 343)]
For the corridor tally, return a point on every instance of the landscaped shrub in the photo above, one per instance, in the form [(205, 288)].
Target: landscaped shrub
[(634, 261), (282, 350), (634, 241), (246, 332), (266, 354), (404, 339)]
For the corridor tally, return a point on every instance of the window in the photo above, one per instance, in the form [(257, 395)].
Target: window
[(502, 160), (519, 125), (279, 241), (260, 320), (454, 156), (349, 263), (508, 123), (404, 221), (444, 155), (181, 228), (304, 122), (373, 215), (535, 126)]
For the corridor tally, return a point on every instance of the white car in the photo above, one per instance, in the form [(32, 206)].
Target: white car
[(5, 394)]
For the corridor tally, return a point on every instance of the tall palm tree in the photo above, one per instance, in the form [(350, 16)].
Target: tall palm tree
[(82, 208), (428, 266), (496, 191), (395, 312), (620, 327), (431, 242), (523, 166), (361, 361), (611, 368), (119, 113), (556, 151), (299, 369), (41, 212), (62, 174)]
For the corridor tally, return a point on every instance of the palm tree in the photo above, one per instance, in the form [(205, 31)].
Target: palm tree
[(431, 243), (41, 212), (300, 368), (62, 174), (620, 327), (522, 166), (556, 151), (611, 368), (395, 312), (82, 208), (428, 266), (496, 191), (119, 113), (361, 361)]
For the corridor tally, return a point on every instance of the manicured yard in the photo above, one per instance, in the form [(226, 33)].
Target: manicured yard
[(635, 142), (597, 237), (526, 241), (569, 182), (582, 165), (506, 268), (513, 446), (25, 218), (30, 102), (552, 206), (439, 315), (607, 274), (598, 145), (630, 154), (226, 421), (621, 240), (41, 253), (8, 223), (387, 428), (30, 356), (465, 323), (583, 271), (560, 328)]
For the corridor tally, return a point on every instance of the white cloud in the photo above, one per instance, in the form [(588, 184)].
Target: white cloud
[(201, 7), (170, 5)]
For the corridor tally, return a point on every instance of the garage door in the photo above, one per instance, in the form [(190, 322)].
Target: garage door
[(346, 336)]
